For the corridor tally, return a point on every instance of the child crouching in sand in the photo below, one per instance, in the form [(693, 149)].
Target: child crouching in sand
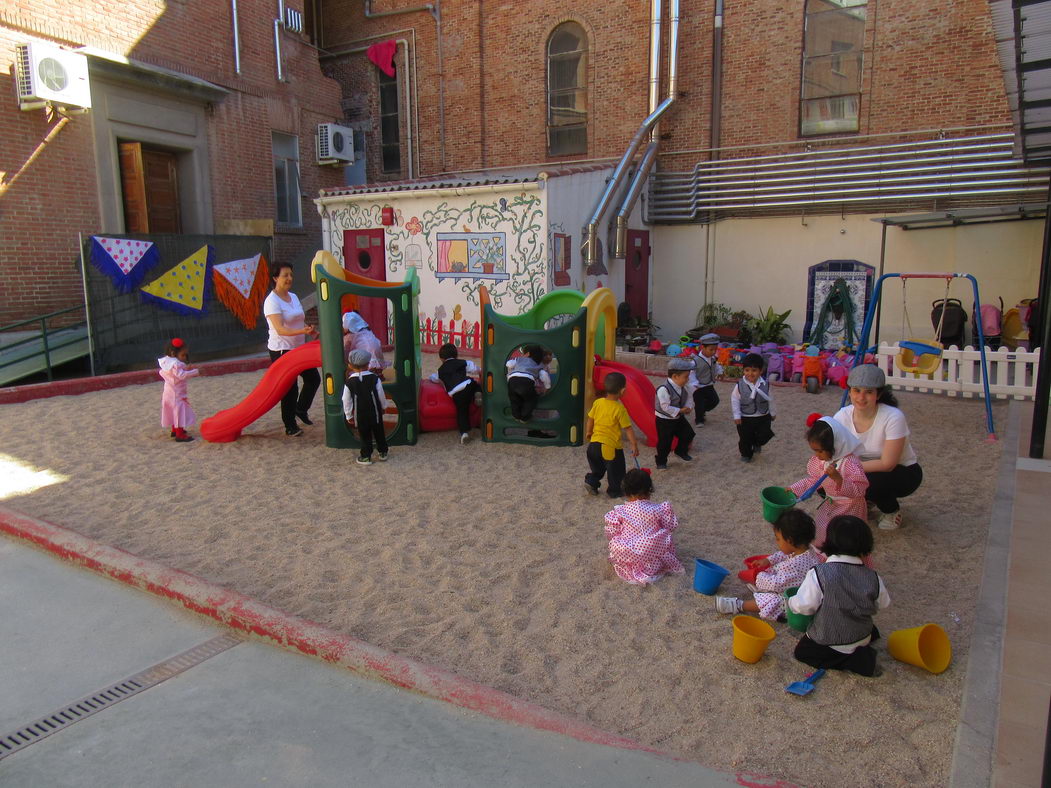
[(641, 548), (843, 595), (793, 533)]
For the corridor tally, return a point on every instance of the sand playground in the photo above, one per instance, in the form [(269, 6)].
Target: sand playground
[(490, 560)]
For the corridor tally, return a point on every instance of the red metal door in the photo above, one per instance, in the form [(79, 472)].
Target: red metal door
[(363, 254), (637, 273)]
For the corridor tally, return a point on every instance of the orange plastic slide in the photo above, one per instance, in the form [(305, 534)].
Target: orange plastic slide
[(638, 396), (226, 425)]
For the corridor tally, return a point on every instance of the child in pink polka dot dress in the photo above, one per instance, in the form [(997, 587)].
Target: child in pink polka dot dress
[(641, 547)]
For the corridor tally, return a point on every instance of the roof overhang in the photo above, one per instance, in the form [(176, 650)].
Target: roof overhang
[(962, 216)]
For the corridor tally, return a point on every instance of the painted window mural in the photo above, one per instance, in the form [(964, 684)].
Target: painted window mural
[(472, 255)]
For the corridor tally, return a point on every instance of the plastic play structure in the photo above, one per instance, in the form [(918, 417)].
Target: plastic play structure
[(580, 332), (924, 357)]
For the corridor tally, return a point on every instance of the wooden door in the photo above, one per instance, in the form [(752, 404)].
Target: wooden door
[(637, 273), (364, 254), (150, 189)]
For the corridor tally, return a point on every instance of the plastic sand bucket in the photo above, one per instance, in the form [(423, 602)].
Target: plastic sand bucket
[(775, 501), (751, 637), (748, 575), (925, 647), (797, 621), (707, 577)]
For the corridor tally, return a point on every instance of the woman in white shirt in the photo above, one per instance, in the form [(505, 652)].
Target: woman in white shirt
[(886, 453), (289, 330)]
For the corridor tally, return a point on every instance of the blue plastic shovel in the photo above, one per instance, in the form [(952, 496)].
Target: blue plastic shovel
[(806, 686), (813, 488)]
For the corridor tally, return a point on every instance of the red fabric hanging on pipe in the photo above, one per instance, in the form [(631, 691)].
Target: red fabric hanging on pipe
[(382, 54)]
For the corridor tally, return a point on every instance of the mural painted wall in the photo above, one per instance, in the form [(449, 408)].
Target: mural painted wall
[(457, 243)]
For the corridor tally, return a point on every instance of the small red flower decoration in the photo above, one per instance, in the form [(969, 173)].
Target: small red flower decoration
[(414, 227)]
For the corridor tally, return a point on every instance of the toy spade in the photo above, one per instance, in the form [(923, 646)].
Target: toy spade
[(806, 686), (813, 488), (647, 471)]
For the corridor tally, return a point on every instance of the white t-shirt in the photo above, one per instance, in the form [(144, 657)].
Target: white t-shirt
[(292, 316), (889, 424)]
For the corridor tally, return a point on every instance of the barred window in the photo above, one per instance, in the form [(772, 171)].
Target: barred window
[(285, 150), (833, 40), (567, 95)]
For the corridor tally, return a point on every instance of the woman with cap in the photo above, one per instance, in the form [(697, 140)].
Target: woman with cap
[(288, 330), (886, 453)]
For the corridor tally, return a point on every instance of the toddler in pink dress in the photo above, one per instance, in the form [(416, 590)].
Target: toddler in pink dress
[(175, 405), (844, 489), (641, 547), (784, 569)]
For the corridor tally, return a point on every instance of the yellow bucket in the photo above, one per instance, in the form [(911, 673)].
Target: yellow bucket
[(925, 647), (751, 637)]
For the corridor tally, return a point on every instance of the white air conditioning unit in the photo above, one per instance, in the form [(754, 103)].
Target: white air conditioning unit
[(48, 75), (335, 144)]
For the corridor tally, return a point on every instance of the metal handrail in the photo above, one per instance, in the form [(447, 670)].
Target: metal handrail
[(44, 335)]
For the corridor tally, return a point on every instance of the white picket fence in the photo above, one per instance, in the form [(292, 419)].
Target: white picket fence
[(1012, 373)]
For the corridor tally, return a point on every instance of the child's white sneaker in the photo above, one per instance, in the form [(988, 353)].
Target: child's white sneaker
[(363, 461), (890, 522), (728, 604)]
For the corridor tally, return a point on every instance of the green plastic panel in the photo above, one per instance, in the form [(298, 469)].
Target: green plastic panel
[(404, 391)]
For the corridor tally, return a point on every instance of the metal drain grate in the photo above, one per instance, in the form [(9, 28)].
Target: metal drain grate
[(92, 704)]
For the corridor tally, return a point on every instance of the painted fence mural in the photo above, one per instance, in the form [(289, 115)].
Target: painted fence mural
[(457, 244)]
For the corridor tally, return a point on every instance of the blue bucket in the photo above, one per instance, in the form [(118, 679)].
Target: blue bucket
[(707, 577)]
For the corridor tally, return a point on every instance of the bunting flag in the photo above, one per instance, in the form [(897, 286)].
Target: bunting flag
[(241, 285), (123, 260), (185, 287)]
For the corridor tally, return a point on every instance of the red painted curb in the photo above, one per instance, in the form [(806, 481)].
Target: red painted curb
[(75, 386), (246, 615)]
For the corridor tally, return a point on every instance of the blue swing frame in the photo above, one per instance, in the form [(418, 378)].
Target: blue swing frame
[(918, 347)]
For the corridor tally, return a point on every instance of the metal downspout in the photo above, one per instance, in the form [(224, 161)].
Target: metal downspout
[(589, 248), (716, 141)]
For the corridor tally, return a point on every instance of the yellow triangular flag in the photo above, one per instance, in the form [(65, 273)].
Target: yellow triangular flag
[(183, 286)]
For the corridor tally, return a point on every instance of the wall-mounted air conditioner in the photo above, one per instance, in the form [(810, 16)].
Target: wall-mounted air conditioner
[(47, 74), (335, 144)]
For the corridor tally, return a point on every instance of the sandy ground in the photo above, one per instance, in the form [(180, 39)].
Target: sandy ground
[(489, 559)]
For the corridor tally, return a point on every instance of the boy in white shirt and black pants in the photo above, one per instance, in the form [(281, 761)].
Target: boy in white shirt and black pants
[(671, 408), (753, 408)]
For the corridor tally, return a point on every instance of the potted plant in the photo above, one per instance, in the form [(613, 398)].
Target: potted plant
[(770, 326), (719, 319)]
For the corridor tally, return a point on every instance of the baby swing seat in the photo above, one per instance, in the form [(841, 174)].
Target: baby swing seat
[(920, 357)]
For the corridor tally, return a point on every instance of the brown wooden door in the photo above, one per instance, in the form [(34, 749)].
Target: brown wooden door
[(364, 254), (637, 273), (150, 188)]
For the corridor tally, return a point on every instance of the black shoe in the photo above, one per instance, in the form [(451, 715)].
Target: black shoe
[(745, 459), (685, 457), (303, 417), (591, 490), (757, 449), (293, 432)]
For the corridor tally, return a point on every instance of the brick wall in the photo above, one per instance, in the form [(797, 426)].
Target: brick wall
[(49, 190)]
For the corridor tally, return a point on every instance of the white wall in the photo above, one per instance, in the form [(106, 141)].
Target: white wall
[(764, 262)]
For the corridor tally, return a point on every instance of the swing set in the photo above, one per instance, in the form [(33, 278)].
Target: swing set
[(923, 356)]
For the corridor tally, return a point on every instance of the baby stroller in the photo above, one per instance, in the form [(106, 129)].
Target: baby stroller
[(992, 324), (953, 322)]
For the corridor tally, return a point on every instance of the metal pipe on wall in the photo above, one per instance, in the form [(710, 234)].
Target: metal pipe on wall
[(590, 232), (716, 141), (237, 37)]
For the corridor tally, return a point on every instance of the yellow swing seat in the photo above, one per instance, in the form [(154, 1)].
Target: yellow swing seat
[(919, 356)]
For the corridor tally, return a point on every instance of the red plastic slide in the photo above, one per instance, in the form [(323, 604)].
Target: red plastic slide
[(638, 396), (226, 425)]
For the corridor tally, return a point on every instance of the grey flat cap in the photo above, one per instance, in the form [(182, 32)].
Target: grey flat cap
[(680, 365), (710, 339), (360, 358), (867, 376)]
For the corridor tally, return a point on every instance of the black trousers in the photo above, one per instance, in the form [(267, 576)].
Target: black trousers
[(886, 487), (600, 467), (372, 432), (862, 661), (667, 431), (522, 393), (462, 399), (753, 431), (296, 400), (705, 398)]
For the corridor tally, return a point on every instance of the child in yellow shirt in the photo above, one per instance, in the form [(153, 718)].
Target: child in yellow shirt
[(607, 421)]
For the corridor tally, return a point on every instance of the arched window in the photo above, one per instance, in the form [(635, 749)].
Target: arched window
[(567, 93)]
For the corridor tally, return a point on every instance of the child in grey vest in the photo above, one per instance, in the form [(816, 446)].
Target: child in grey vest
[(752, 408), (842, 595)]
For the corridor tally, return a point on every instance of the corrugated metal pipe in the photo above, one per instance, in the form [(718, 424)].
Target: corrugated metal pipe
[(589, 247)]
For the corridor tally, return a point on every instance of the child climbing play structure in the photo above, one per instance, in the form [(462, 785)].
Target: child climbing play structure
[(580, 332)]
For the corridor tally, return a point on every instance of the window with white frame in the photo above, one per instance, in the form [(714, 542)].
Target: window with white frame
[(833, 43), (567, 93), (285, 149)]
